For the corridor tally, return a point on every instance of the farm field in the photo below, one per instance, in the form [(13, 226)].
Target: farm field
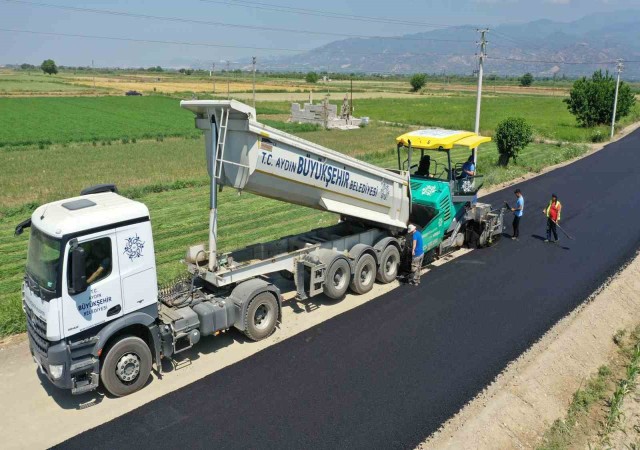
[(100, 119), (36, 120)]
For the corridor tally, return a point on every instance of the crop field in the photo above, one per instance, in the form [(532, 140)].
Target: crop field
[(37, 84), (35, 120)]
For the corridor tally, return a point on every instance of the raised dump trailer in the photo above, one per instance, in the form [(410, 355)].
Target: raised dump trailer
[(95, 313)]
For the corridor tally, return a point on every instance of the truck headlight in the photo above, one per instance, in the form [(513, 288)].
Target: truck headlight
[(56, 371)]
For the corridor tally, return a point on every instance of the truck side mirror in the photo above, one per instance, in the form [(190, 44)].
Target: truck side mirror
[(78, 271)]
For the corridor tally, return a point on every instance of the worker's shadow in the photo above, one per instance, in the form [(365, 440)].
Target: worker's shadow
[(542, 239)]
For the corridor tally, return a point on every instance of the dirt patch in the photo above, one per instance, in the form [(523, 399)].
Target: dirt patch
[(536, 389)]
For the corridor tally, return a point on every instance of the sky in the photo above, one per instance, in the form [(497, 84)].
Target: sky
[(36, 16)]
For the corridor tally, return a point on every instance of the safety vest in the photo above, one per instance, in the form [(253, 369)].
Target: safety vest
[(557, 208)]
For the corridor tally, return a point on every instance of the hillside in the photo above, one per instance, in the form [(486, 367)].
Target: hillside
[(594, 39)]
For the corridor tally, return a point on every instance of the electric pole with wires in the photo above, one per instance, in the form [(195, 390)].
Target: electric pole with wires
[(254, 81), (228, 81), (213, 76), (619, 68), (481, 56)]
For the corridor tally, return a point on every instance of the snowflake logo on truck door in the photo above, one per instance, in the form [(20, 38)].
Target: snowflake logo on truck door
[(133, 247)]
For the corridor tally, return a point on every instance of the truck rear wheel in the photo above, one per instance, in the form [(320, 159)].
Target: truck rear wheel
[(364, 275), (261, 316), (389, 263), (126, 367), (337, 280)]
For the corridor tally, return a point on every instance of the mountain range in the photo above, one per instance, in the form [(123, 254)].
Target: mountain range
[(542, 47)]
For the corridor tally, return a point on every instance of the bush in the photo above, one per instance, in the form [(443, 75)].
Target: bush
[(512, 135), (526, 80), (418, 81), (311, 77), (591, 100)]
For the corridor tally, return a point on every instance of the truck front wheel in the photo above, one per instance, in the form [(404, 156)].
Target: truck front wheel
[(126, 367), (261, 316)]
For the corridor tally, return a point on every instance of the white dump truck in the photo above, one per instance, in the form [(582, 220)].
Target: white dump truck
[(93, 308)]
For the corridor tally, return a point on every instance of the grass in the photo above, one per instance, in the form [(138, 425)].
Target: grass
[(44, 121), (607, 388), (548, 116), (36, 83), (561, 433)]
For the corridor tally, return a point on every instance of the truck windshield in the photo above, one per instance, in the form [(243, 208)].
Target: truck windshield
[(43, 259)]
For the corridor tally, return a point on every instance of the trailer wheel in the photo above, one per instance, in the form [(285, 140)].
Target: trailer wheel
[(364, 275), (126, 367), (337, 279), (389, 263), (261, 317)]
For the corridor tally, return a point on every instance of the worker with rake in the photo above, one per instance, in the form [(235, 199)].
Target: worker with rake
[(553, 212)]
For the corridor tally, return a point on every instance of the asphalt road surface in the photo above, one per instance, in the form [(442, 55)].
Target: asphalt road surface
[(389, 373)]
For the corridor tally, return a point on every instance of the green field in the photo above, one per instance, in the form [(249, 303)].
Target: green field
[(104, 119), (37, 120)]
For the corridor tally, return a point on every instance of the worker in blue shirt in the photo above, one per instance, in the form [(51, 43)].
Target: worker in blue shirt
[(518, 210), (468, 168), (417, 254)]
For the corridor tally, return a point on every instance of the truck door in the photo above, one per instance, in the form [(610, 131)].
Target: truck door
[(102, 301), (137, 266)]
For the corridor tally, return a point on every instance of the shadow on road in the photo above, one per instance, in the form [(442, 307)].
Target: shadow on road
[(542, 238)]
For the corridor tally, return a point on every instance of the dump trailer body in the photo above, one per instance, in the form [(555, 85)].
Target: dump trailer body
[(256, 158)]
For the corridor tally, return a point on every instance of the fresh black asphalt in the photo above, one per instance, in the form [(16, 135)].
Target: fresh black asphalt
[(389, 373)]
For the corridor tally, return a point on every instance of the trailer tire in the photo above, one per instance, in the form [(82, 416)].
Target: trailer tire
[(337, 279), (365, 274), (261, 316), (389, 265), (126, 366)]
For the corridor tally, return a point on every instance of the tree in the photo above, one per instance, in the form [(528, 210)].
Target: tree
[(49, 67), (591, 100), (311, 77), (512, 135), (418, 81), (526, 80)]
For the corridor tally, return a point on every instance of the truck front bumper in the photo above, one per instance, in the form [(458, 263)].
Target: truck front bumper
[(79, 374)]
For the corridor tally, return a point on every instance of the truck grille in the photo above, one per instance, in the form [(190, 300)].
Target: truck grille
[(37, 330)]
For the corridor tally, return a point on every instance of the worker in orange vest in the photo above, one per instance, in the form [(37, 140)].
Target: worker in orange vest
[(553, 212)]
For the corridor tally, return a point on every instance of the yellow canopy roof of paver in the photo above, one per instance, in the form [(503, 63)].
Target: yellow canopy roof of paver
[(436, 138)]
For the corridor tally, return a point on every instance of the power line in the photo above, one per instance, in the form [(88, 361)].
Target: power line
[(324, 13), (543, 61), (204, 44), (219, 24)]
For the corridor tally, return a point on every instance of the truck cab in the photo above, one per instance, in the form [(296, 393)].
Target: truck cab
[(90, 263)]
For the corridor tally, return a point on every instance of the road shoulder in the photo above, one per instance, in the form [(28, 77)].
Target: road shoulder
[(536, 389)]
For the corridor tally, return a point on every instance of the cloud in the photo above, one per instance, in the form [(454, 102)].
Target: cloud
[(558, 2)]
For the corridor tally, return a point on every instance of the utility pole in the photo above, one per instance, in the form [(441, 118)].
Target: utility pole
[(213, 76), (481, 56), (254, 81), (93, 69), (228, 81), (619, 68)]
